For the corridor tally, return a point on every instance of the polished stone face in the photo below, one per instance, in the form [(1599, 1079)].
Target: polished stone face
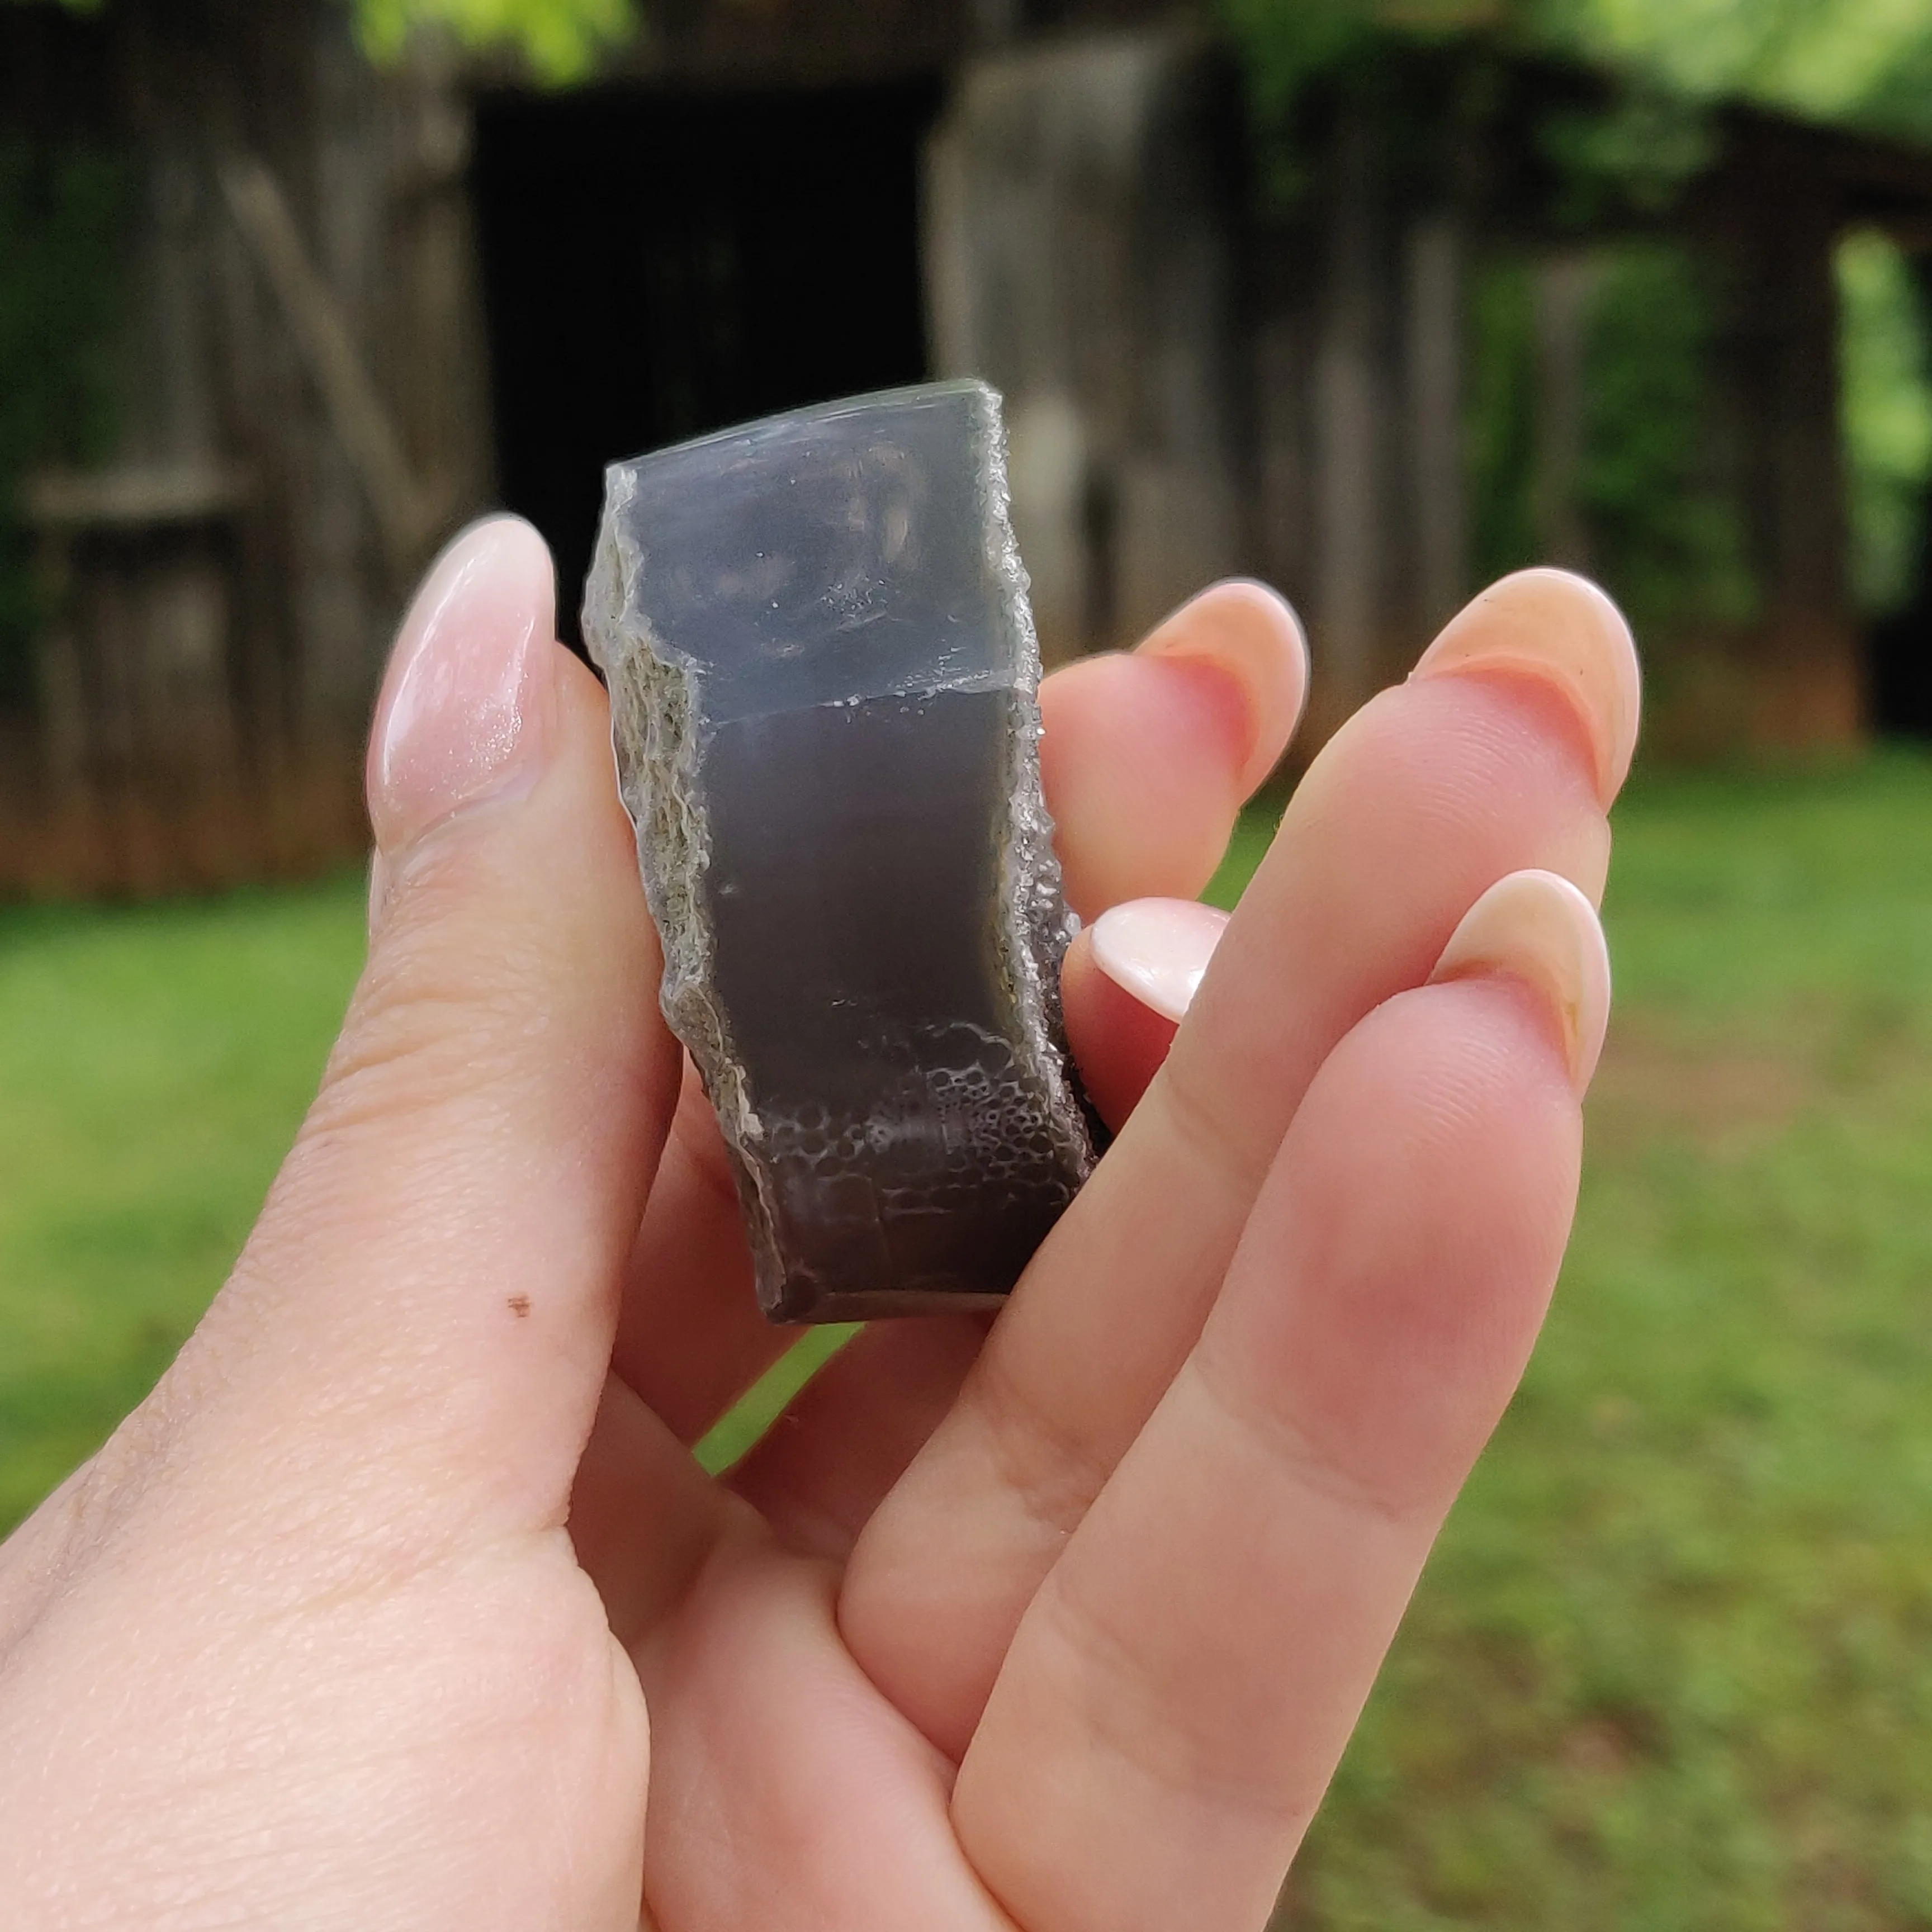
[(823, 683)]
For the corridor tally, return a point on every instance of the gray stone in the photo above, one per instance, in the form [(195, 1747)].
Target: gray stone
[(824, 688)]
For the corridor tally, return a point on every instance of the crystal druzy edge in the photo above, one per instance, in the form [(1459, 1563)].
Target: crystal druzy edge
[(931, 1153)]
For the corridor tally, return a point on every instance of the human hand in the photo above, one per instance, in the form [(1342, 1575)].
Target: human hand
[(357, 1621)]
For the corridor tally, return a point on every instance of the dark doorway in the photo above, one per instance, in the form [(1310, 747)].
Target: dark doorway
[(1899, 663), (657, 265), (1899, 652)]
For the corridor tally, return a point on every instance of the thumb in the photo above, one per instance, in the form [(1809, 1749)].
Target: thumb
[(430, 1293)]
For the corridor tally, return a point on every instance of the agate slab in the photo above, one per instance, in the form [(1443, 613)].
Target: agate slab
[(823, 683)]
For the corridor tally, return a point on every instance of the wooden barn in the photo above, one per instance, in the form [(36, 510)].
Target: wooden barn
[(360, 306)]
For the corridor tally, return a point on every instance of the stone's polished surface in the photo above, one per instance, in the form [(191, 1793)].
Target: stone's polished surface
[(824, 684)]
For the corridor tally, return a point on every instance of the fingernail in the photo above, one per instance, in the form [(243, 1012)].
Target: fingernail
[(1247, 635), (1538, 927), (1559, 627), (467, 702), (1158, 949)]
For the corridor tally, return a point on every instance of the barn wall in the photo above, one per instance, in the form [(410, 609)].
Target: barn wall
[(1192, 391), (1195, 385), (1771, 221), (303, 419), (1358, 407), (1081, 250)]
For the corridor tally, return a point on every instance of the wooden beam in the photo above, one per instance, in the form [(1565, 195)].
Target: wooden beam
[(408, 513), (132, 496)]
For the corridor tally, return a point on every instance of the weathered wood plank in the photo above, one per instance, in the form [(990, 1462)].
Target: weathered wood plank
[(408, 511)]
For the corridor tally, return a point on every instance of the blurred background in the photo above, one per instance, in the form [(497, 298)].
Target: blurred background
[(1375, 298)]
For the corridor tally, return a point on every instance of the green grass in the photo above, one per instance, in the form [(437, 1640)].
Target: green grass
[(1672, 1664), (153, 1065)]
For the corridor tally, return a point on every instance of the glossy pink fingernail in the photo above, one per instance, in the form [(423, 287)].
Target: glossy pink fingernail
[(1537, 926), (466, 706), (1158, 949)]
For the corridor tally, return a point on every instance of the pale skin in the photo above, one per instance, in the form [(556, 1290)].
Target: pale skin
[(401, 1603)]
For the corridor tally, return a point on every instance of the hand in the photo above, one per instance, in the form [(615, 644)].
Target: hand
[(356, 1621)]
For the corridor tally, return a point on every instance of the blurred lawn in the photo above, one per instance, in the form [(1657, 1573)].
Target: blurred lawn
[(153, 1065), (1672, 1664)]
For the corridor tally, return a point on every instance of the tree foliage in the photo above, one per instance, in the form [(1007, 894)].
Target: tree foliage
[(1862, 62), (561, 39), (1886, 408), (1650, 488), (1865, 62), (1653, 489)]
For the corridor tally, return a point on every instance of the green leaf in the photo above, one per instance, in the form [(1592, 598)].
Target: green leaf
[(1886, 409), (561, 39)]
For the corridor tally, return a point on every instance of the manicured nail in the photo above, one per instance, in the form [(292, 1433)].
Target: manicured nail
[(466, 706), (1248, 634), (1538, 927), (1560, 627), (1158, 949)]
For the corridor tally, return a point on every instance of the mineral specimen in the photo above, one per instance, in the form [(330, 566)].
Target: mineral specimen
[(824, 684)]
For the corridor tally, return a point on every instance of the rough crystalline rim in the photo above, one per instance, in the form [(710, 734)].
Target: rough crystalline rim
[(654, 691)]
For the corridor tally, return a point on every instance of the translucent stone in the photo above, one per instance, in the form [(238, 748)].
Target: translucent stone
[(823, 686)]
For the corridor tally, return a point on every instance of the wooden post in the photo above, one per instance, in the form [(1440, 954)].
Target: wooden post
[(407, 512), (1077, 256), (1564, 285), (1804, 686), (307, 414), (1434, 324), (1351, 532)]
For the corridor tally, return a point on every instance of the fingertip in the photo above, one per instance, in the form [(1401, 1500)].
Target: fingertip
[(1562, 629), (466, 702), (1247, 633), (1537, 927), (509, 549)]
